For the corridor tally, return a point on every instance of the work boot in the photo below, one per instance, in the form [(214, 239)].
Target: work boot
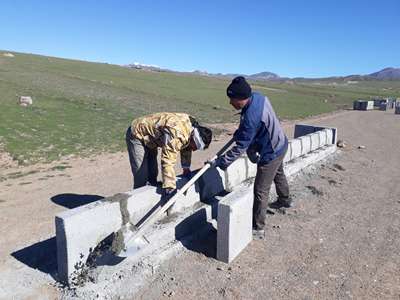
[(282, 202), (258, 234)]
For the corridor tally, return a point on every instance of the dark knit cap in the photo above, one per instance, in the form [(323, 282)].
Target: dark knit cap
[(239, 89)]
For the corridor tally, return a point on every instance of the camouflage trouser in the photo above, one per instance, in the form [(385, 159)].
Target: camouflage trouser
[(143, 161)]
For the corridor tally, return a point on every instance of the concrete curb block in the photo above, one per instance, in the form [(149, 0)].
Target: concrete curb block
[(288, 153), (323, 137), (236, 173), (251, 169), (305, 144), (363, 105), (296, 149), (167, 238), (80, 230), (314, 141), (236, 209), (234, 233)]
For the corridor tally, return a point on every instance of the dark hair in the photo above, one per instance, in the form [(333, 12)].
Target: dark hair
[(206, 135)]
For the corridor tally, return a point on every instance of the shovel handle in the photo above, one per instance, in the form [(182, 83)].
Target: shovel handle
[(173, 199), (224, 148)]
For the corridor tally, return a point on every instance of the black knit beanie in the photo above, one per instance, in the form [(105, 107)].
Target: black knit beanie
[(239, 89)]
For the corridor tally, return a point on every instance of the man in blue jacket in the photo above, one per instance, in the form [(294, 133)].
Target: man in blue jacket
[(261, 136)]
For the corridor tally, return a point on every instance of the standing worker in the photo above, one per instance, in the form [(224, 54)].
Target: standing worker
[(261, 136), (173, 133)]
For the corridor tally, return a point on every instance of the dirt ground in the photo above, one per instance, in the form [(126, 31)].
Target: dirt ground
[(341, 240)]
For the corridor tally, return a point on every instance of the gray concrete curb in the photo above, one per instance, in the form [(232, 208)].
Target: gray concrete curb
[(80, 230)]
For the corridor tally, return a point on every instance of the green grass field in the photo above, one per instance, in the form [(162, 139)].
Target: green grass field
[(84, 108)]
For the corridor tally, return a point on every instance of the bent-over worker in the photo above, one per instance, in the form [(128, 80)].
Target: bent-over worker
[(173, 133)]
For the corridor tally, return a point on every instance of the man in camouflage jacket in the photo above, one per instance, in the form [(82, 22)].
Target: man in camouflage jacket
[(172, 132)]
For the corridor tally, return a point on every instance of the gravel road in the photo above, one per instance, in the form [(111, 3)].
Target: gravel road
[(341, 240)]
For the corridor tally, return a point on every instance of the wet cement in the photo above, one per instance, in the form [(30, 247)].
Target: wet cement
[(118, 243)]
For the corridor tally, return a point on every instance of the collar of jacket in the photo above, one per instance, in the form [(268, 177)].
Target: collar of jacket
[(247, 104)]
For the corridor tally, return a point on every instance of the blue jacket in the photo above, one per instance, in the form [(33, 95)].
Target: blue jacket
[(259, 131)]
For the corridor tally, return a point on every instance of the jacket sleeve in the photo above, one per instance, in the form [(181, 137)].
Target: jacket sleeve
[(248, 128), (169, 154)]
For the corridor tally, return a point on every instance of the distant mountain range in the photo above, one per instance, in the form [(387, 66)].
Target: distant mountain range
[(264, 76), (384, 74)]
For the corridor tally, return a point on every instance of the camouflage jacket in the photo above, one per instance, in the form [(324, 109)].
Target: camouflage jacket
[(171, 132)]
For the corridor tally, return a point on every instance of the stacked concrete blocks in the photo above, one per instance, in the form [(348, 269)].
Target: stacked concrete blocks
[(363, 105), (377, 102), (234, 224), (310, 158), (303, 129), (370, 105), (397, 108)]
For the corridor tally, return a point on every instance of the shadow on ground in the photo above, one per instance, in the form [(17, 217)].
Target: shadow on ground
[(41, 256), (204, 240), (74, 200), (205, 244)]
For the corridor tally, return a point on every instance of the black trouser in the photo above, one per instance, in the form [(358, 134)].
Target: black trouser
[(273, 171)]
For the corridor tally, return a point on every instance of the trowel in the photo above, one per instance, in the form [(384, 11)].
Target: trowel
[(131, 238)]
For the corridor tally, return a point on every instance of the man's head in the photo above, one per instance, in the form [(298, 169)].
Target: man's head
[(239, 92), (201, 138)]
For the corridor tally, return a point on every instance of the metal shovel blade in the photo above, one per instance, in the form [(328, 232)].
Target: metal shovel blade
[(126, 244), (133, 246)]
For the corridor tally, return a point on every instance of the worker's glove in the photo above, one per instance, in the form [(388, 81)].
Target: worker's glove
[(187, 173), (253, 155), (213, 163), (168, 192), (216, 163)]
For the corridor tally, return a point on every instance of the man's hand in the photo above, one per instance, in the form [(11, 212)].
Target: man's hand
[(216, 163), (168, 192), (253, 155), (213, 163)]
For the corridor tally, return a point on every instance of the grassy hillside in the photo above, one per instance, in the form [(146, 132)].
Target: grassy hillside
[(83, 108)]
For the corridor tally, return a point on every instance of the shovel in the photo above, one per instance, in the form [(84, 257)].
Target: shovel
[(133, 239)]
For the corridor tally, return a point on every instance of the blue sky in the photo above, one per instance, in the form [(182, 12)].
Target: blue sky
[(290, 38)]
